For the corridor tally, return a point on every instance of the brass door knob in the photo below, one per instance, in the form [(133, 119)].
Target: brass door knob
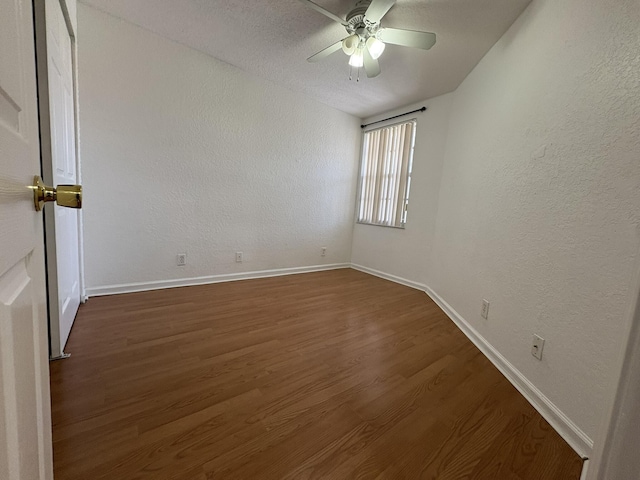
[(64, 195)]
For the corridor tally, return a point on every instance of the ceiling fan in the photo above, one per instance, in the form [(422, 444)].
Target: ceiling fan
[(366, 40)]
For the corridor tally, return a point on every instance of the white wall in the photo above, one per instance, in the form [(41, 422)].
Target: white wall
[(540, 204), (184, 153), (405, 252), (538, 201)]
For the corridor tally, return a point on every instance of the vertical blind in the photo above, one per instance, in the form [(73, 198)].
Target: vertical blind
[(385, 174)]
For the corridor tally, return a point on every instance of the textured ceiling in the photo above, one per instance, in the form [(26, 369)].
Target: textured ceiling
[(272, 39)]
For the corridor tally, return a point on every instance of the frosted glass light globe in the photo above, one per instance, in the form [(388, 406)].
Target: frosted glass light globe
[(350, 44), (357, 60), (375, 46)]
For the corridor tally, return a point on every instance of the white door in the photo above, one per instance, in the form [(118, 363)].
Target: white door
[(25, 418), (59, 167)]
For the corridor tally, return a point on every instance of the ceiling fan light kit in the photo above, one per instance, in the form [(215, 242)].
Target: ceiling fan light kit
[(350, 44), (367, 39), (375, 46), (357, 58)]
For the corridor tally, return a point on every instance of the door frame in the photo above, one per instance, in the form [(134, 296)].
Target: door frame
[(46, 158), (613, 455)]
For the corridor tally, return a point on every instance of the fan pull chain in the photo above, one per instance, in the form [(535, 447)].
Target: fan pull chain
[(351, 74)]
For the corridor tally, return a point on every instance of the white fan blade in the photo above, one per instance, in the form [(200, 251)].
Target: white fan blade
[(407, 38), (377, 10), (371, 65), (326, 13), (322, 54)]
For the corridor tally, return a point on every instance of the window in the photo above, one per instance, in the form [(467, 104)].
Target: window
[(385, 175)]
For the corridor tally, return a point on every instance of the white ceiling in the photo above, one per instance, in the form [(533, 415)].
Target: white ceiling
[(272, 39)]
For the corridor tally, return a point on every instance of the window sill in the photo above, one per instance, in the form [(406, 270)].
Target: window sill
[(401, 227)]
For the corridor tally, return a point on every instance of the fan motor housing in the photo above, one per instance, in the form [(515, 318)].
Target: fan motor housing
[(355, 18)]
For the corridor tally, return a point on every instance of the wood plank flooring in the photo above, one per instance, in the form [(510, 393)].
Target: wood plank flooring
[(336, 375)]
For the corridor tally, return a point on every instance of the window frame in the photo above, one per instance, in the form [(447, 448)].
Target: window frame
[(405, 199)]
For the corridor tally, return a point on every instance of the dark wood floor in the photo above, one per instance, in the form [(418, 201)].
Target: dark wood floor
[(334, 375)]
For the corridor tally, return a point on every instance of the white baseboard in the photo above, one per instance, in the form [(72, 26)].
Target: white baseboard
[(388, 276), (186, 282), (573, 435), (585, 470)]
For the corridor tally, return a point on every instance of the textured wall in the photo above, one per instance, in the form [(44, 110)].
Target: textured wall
[(184, 153), (540, 197), (405, 252)]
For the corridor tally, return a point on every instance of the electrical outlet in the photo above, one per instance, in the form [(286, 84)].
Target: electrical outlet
[(485, 309), (324, 252), (181, 260), (536, 348), (239, 257)]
